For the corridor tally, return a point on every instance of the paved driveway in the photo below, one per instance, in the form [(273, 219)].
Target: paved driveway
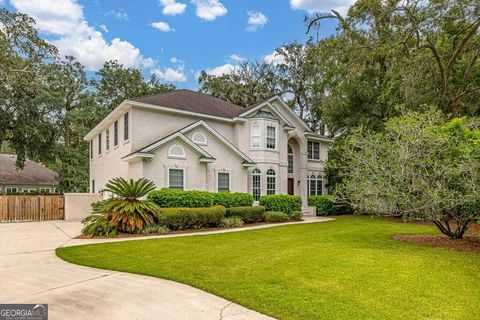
[(30, 272)]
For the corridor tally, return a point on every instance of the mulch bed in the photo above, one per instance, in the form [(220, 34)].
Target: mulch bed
[(470, 242)]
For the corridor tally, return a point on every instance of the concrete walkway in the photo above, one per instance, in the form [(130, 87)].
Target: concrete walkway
[(32, 273)]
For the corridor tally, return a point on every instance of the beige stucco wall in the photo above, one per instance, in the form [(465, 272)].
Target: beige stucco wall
[(78, 205)]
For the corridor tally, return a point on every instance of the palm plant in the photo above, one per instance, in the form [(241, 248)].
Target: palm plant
[(125, 210)]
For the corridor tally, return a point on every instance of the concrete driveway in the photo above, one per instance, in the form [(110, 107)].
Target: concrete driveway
[(32, 273)]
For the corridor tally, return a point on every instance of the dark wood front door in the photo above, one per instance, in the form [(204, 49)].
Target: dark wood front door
[(290, 185)]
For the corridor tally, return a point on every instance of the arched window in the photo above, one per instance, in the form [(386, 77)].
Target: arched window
[(199, 138), (256, 184), (271, 181), (176, 151), (315, 185), (290, 159)]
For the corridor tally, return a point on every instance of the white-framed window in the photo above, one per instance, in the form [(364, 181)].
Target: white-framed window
[(256, 136), (107, 139), (314, 185), (290, 159), (256, 184), (176, 179), (100, 143), (271, 137), (223, 181), (125, 127), (176, 151), (199, 138), (313, 149), (91, 149), (11, 190), (115, 133), (93, 185), (271, 181)]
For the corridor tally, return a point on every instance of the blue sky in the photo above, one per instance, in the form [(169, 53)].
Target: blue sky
[(174, 39)]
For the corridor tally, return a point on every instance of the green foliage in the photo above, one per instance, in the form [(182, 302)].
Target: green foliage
[(295, 215), (190, 218), (419, 167), (281, 202), (97, 224), (233, 199), (247, 214), (231, 222), (124, 209), (154, 229), (174, 198), (323, 204), (276, 216)]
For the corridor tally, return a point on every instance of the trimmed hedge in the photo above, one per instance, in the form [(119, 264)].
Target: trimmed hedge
[(295, 215), (324, 204), (174, 198), (190, 218), (247, 214), (231, 222), (233, 199), (281, 202), (276, 216)]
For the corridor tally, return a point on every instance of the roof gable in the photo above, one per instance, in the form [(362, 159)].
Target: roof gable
[(32, 173)]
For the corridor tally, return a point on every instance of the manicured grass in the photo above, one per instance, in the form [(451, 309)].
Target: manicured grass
[(344, 269)]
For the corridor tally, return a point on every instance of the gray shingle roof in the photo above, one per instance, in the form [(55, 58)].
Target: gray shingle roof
[(33, 173), (193, 101)]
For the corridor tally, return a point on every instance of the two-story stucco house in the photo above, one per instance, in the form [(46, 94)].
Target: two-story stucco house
[(193, 141)]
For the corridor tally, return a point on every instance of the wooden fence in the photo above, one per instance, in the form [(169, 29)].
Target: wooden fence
[(15, 208)]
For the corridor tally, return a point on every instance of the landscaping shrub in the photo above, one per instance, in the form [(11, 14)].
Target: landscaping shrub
[(323, 204), (174, 198), (295, 215), (233, 199), (276, 216), (190, 218), (247, 214), (281, 202), (231, 222), (155, 229), (97, 224)]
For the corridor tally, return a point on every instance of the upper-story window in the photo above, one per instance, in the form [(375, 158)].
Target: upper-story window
[(271, 137), (176, 151), (99, 143), (125, 126), (107, 139), (313, 149), (199, 138), (115, 133), (290, 159), (256, 136), (91, 149)]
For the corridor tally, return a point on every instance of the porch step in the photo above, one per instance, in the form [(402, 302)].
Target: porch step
[(308, 211)]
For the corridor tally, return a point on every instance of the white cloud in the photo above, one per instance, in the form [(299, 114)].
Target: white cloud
[(172, 8), (209, 10), (162, 26), (173, 60), (171, 75), (325, 6), (65, 19), (236, 58), (119, 14), (221, 70), (274, 58), (103, 28), (256, 19)]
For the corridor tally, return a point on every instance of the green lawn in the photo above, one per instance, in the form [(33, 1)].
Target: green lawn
[(344, 269)]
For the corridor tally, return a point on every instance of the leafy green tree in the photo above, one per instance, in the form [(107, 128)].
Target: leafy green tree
[(26, 83), (418, 168)]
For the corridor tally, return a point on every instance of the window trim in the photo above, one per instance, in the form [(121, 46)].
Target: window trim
[(274, 176), (100, 143), (316, 178), (107, 140), (312, 157), (259, 136), (115, 133), (183, 175), (176, 156), (290, 160), (229, 181), (257, 173), (91, 149), (200, 134), (267, 137), (126, 127)]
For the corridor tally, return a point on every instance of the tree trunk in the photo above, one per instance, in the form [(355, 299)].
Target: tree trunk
[(457, 233)]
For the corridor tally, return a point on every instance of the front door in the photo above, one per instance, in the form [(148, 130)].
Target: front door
[(290, 185)]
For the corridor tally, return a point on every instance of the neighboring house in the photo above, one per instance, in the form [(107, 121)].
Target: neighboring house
[(32, 178), (192, 141)]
